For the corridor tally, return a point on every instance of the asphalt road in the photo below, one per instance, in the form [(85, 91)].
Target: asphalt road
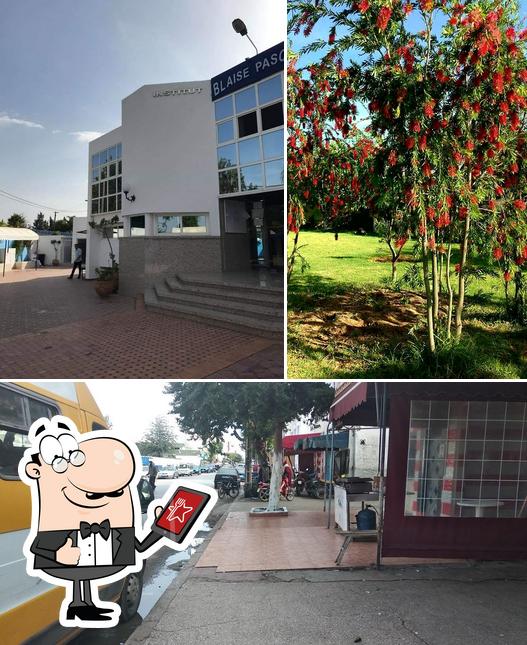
[(161, 568)]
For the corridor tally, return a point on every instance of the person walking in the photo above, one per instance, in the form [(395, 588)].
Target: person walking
[(77, 262), (152, 474)]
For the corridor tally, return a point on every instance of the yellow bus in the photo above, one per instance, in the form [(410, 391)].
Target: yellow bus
[(29, 607)]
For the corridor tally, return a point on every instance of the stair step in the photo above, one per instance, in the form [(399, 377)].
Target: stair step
[(220, 303), (230, 284), (233, 293)]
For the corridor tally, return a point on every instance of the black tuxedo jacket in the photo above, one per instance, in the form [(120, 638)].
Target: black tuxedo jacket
[(124, 546)]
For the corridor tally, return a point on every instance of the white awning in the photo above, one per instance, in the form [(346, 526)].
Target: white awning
[(11, 233)]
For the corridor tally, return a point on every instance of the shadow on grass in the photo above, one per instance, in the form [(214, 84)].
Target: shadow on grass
[(342, 331)]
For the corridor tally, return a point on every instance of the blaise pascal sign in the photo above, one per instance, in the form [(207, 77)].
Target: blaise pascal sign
[(254, 69), (178, 91)]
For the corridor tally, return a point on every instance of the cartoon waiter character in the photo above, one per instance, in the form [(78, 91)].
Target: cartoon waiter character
[(85, 510)]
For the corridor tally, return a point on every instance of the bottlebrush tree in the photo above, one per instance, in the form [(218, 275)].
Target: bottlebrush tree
[(446, 105)]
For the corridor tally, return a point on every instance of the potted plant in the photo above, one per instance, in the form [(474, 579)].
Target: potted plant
[(56, 243), (105, 283)]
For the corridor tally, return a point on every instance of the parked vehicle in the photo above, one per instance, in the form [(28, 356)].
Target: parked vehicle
[(263, 492), (196, 470), (308, 484), (226, 473), (29, 607), (241, 473), (228, 487), (167, 472), (184, 470)]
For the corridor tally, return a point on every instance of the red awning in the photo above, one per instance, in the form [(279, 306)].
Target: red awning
[(289, 441), (347, 399)]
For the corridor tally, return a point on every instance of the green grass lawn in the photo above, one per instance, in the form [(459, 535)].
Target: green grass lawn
[(346, 319)]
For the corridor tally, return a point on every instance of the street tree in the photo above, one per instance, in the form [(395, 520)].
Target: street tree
[(17, 221), (159, 440), (41, 223), (209, 410)]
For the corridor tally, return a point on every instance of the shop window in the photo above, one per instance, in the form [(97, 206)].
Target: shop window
[(273, 144), (225, 131), (245, 100), (249, 150), (251, 177), (247, 125), (270, 90), (137, 226), (194, 224), (228, 181), (227, 156), (223, 108), (272, 116), (274, 173), (191, 224), (467, 459)]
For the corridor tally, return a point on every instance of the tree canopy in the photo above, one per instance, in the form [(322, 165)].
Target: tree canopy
[(159, 440)]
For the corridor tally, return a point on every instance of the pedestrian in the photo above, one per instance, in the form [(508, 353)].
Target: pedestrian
[(287, 478), (77, 262), (152, 474)]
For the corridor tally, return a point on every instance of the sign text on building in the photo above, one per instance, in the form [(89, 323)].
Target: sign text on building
[(177, 92), (256, 68)]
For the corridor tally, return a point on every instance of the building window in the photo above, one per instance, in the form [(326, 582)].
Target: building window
[(274, 173), (246, 99), (272, 116), (270, 90), (251, 177), (249, 150), (105, 192), (228, 182), (137, 226), (223, 108), (191, 224), (226, 131), (227, 156), (467, 459), (273, 144), (247, 125)]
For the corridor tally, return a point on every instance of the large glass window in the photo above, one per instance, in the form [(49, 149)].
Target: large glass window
[(223, 108), (467, 459), (274, 173), (273, 144), (249, 150), (251, 177), (247, 125), (272, 116), (270, 90), (228, 181), (109, 166), (227, 156), (226, 131), (137, 226), (246, 99), (177, 224)]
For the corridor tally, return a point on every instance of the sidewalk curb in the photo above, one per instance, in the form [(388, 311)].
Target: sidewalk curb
[(145, 629)]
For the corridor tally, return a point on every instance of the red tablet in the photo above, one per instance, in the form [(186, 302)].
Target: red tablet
[(181, 513)]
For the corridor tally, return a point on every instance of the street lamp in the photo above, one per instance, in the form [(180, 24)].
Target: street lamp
[(239, 27), (126, 190)]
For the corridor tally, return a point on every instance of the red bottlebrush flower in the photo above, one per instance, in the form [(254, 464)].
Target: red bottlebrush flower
[(415, 126), (452, 171), (431, 244), (503, 119), (470, 145), (442, 77), (384, 18), (515, 121), (453, 21), (494, 133), (524, 252), (427, 169), (350, 93), (499, 191), (519, 260), (492, 204), (507, 276), (490, 171), (497, 82), (514, 168), (331, 38), (426, 5), (457, 268), (463, 212), (363, 6), (422, 142), (429, 108), (392, 158), (458, 157), (306, 194), (408, 8), (400, 242), (409, 143), (430, 214), (315, 181), (497, 253), (523, 75), (510, 34), (520, 205)]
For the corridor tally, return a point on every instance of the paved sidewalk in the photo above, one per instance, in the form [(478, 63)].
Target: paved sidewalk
[(52, 327), (432, 605)]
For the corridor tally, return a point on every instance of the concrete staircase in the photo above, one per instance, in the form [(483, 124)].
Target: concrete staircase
[(225, 300)]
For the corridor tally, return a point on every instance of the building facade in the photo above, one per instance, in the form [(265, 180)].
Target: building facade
[(193, 179)]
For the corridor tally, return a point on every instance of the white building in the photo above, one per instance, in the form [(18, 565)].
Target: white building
[(193, 182)]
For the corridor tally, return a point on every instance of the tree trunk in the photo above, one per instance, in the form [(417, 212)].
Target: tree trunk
[(394, 270), (461, 281), (450, 292), (276, 473), (435, 285), (429, 303), (248, 466), (291, 259)]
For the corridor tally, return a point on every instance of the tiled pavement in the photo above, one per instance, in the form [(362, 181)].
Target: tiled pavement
[(51, 327), (299, 541)]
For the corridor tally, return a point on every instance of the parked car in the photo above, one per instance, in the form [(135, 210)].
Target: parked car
[(184, 469), (196, 470), (226, 473), (167, 472), (241, 473)]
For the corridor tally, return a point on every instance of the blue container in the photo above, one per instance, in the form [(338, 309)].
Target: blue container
[(366, 520)]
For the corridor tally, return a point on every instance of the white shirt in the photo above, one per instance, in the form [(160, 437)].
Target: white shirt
[(95, 550)]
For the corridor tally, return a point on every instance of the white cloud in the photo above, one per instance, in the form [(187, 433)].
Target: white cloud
[(55, 131), (9, 120), (85, 136)]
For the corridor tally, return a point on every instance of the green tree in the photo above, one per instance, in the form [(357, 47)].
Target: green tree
[(17, 221), (158, 440), (234, 457), (41, 223), (209, 410)]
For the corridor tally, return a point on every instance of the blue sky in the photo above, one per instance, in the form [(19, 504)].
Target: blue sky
[(65, 66)]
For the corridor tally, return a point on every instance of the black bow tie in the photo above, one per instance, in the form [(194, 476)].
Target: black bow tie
[(88, 529)]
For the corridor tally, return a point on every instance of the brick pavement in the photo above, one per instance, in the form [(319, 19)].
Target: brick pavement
[(51, 327)]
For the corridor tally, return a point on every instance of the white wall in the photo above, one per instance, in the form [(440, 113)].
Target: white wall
[(45, 246), (169, 152), (79, 224)]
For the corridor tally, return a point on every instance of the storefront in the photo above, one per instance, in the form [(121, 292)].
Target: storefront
[(193, 179), (456, 482)]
